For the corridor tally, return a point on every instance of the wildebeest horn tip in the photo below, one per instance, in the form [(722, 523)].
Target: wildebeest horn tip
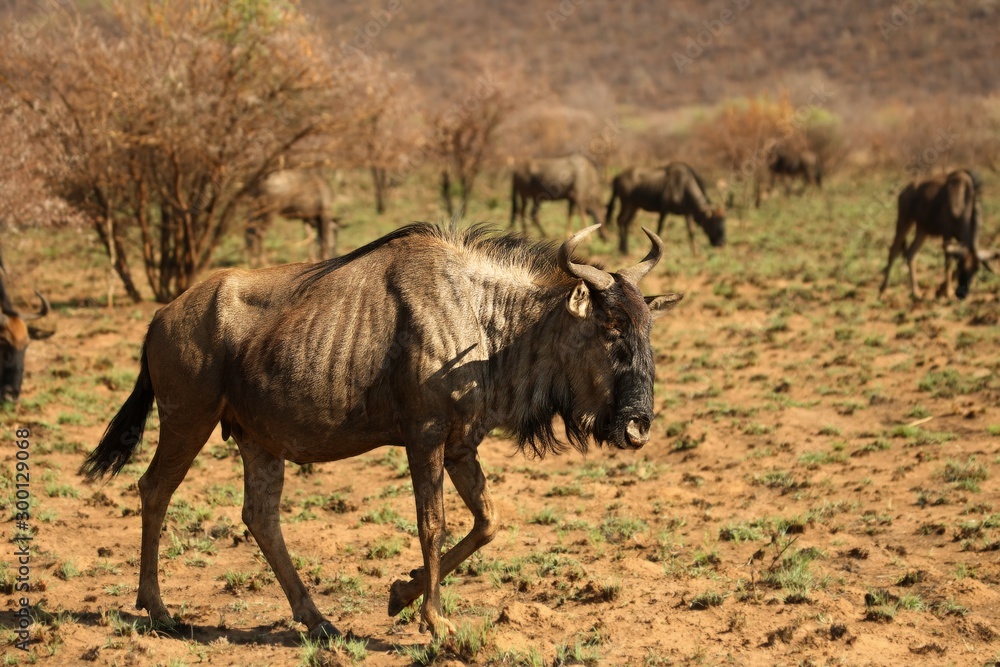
[(594, 277), (635, 273)]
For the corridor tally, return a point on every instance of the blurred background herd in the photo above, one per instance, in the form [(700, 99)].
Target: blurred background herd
[(157, 125)]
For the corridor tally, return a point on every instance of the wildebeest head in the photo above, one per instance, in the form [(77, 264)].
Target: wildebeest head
[(969, 261), (14, 337), (966, 251), (609, 362), (713, 221)]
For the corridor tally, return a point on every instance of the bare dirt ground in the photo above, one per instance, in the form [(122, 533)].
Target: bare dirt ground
[(820, 489)]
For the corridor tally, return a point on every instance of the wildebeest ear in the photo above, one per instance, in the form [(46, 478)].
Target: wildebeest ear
[(579, 301), (661, 304)]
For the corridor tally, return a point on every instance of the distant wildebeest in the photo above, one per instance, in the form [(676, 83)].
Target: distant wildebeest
[(14, 337), (297, 195), (426, 339), (573, 178), (788, 163), (946, 206), (675, 188)]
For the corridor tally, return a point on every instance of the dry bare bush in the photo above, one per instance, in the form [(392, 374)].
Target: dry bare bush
[(742, 136), (937, 135), (463, 134), (24, 200), (390, 126), (156, 119)]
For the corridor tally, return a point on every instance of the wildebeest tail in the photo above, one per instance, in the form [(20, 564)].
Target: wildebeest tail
[(124, 433)]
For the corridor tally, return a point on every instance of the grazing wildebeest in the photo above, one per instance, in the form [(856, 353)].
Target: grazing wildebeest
[(788, 162), (675, 188), (297, 195), (945, 206), (573, 178), (425, 339), (14, 337)]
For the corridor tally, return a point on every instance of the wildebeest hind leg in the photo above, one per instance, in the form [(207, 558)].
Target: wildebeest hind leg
[(944, 289), (173, 457), (470, 482), (264, 478)]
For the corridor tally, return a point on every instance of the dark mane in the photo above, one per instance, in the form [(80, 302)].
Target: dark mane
[(538, 257), (319, 270)]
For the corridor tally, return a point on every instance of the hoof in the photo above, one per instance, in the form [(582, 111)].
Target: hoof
[(442, 627), (324, 630), (158, 614), (397, 597)]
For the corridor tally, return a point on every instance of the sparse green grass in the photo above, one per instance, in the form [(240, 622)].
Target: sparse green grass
[(778, 479), (385, 548), (948, 383), (754, 428), (67, 570), (53, 490), (706, 600), (547, 516), (916, 436), (744, 531), (574, 488), (356, 649), (817, 459), (965, 474), (583, 651), (616, 529)]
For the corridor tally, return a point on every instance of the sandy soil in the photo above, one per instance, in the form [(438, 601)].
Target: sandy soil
[(820, 489)]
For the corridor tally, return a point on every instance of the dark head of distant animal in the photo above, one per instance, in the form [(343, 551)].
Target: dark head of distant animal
[(968, 262), (14, 338), (607, 356), (715, 227)]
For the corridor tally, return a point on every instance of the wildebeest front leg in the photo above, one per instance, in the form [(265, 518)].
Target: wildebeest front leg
[(467, 474), (536, 204), (625, 217), (659, 224), (690, 228), (427, 473), (911, 253), (264, 477)]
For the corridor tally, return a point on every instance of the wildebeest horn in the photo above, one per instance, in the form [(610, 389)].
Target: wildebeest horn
[(985, 256), (634, 274), (42, 312), (955, 250), (594, 277)]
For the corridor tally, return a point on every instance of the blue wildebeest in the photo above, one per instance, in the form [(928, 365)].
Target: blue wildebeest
[(788, 162), (674, 188), (946, 206), (296, 194), (302, 363), (573, 178), (15, 335)]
